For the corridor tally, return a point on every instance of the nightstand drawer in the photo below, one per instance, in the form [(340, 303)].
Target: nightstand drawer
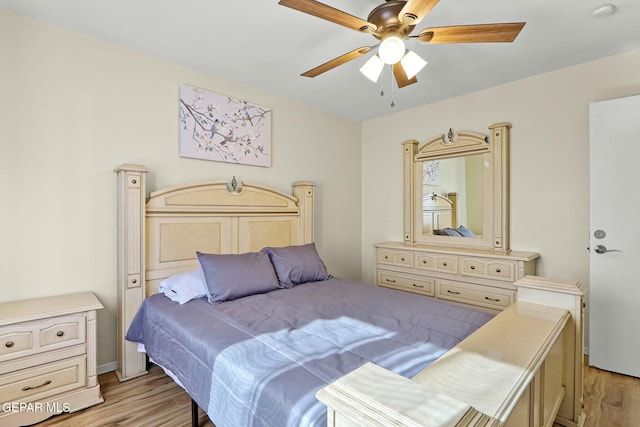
[(488, 268), (407, 282), (386, 256), (27, 338), (65, 331), (31, 384), (484, 296), (15, 342)]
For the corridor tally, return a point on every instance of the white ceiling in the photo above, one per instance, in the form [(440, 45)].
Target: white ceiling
[(264, 45)]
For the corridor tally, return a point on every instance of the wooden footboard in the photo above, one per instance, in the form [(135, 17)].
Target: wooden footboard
[(523, 368)]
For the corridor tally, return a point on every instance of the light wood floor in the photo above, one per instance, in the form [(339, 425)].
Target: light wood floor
[(154, 400)]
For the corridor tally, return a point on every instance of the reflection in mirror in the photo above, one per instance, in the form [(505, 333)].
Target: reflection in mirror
[(479, 199), (452, 199)]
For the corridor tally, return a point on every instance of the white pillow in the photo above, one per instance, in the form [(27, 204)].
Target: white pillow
[(185, 286)]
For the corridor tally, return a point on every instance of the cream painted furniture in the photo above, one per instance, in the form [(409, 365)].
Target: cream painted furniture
[(221, 218), (477, 271), (47, 357), (524, 368), (494, 175), (519, 370), (159, 238), (131, 254), (439, 211), (480, 278)]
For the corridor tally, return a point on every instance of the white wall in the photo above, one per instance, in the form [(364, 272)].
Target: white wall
[(549, 158), (72, 108)]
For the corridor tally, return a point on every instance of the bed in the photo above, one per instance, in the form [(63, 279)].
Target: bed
[(383, 344), (260, 359)]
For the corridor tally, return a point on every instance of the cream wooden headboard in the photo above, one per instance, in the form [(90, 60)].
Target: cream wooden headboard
[(439, 212), (159, 237), (207, 217)]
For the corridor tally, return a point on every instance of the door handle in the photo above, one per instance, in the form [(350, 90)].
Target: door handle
[(602, 249)]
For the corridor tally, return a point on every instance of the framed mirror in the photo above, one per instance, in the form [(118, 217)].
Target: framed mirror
[(456, 190)]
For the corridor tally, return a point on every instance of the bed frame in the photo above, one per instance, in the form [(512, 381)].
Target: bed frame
[(439, 212), (526, 364), (158, 236)]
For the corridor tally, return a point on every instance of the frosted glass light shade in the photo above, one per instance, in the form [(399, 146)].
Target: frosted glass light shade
[(372, 68), (391, 50), (412, 64)]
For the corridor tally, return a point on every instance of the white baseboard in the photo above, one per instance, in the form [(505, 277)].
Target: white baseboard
[(586, 350), (107, 367)]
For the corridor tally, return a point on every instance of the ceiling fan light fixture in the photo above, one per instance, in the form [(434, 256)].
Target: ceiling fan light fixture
[(372, 68), (412, 64), (391, 50)]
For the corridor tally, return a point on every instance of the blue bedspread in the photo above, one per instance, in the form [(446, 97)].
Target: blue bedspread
[(259, 360)]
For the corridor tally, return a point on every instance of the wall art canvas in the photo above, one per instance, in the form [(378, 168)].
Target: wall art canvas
[(431, 172), (224, 129)]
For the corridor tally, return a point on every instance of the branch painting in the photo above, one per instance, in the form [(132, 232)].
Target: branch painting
[(223, 129), (431, 172)]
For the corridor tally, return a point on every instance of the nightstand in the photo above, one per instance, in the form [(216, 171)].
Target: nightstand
[(47, 357)]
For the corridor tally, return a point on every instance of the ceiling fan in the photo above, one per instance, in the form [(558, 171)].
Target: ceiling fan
[(391, 23)]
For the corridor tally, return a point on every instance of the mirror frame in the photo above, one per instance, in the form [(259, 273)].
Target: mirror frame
[(495, 151)]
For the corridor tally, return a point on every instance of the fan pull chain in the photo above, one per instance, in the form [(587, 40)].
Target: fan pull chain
[(393, 104)]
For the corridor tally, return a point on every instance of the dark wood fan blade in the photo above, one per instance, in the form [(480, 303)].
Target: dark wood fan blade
[(414, 11), (337, 61), (401, 76), (481, 33), (329, 13)]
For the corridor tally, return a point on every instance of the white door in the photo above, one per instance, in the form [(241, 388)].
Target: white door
[(614, 322)]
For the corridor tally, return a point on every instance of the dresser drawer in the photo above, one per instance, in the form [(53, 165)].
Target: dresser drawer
[(386, 256), (484, 296), (31, 384), (15, 342), (437, 262), (26, 338), (488, 268), (406, 282)]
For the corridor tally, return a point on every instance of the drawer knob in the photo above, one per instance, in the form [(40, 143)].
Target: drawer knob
[(497, 270), (473, 267), (417, 286), (492, 299), (134, 281), (27, 388), (453, 292), (133, 181), (424, 261), (401, 259), (9, 344), (386, 257), (60, 333), (389, 281)]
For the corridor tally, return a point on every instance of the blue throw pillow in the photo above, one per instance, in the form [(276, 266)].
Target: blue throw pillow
[(295, 265), (235, 276)]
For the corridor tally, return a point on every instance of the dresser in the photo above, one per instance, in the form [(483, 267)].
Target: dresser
[(47, 357), (479, 278)]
